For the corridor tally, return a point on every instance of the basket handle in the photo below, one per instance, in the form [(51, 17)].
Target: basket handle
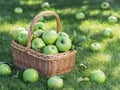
[(36, 18)]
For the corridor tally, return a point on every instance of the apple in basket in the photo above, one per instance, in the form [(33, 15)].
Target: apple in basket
[(50, 49), (63, 43), (98, 76), (22, 38), (38, 44), (16, 31), (45, 5), (37, 33), (55, 82), (112, 19), (50, 36), (5, 69), (63, 34), (105, 5), (18, 10), (39, 25), (30, 75)]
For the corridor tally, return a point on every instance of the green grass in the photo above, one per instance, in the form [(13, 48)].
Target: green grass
[(107, 60)]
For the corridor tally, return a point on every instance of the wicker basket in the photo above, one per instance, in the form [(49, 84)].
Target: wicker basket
[(47, 65)]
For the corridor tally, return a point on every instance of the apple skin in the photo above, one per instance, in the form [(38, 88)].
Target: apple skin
[(50, 37), (18, 10), (107, 33), (63, 43), (63, 34), (45, 5), (112, 19), (30, 75), (16, 31), (39, 25), (22, 38), (50, 49), (80, 15), (98, 76), (55, 82), (37, 33), (105, 5), (95, 47), (5, 70), (38, 44)]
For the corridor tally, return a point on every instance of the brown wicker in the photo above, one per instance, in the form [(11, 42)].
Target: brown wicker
[(47, 65)]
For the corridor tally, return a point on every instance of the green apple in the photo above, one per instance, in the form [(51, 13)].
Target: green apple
[(5, 69), (80, 15), (18, 10), (22, 38), (105, 5), (112, 19), (78, 39), (63, 34), (107, 33), (39, 25), (50, 49), (72, 33), (63, 43), (45, 5), (55, 82), (98, 76), (95, 47), (50, 36), (38, 44), (16, 31), (30, 75), (37, 33)]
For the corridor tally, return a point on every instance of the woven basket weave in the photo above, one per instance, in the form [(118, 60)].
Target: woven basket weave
[(47, 65)]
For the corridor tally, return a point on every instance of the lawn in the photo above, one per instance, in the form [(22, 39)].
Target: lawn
[(107, 60)]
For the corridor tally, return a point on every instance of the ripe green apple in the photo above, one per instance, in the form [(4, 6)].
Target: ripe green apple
[(22, 38), (63, 43), (38, 44), (39, 25), (80, 15), (45, 5), (95, 47), (55, 82), (37, 33), (105, 5), (112, 19), (98, 76), (50, 49), (30, 75), (5, 69), (16, 31), (63, 34), (107, 33), (50, 36), (18, 10)]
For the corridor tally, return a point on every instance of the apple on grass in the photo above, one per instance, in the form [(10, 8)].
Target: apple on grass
[(63, 43), (55, 82), (22, 38), (16, 31), (38, 44), (112, 19), (107, 33), (50, 36), (39, 25), (18, 10), (98, 76), (95, 47), (37, 33), (30, 75), (5, 69), (50, 49), (80, 15), (105, 5), (45, 5)]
